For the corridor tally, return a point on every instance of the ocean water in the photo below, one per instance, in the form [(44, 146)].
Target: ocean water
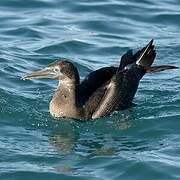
[(142, 142)]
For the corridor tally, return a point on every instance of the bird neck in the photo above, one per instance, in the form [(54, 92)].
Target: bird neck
[(66, 92), (64, 101)]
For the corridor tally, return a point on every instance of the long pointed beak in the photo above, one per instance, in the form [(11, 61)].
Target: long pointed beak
[(44, 73)]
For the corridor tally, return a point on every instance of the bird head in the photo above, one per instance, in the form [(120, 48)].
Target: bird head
[(60, 70)]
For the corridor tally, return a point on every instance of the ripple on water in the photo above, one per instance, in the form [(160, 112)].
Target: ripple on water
[(18, 4), (69, 46), (23, 32), (140, 142)]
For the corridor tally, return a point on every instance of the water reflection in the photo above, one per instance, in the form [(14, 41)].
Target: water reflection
[(62, 143), (80, 148), (89, 139), (84, 144)]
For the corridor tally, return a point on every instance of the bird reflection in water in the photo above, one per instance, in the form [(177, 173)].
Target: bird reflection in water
[(65, 143), (87, 144), (62, 143)]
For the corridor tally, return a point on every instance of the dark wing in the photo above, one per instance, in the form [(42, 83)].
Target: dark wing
[(97, 78), (146, 56), (93, 81), (121, 89), (127, 58), (94, 100)]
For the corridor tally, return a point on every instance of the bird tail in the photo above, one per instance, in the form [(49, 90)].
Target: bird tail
[(146, 59), (154, 69)]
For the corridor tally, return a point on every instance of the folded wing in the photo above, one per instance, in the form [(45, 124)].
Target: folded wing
[(121, 89), (116, 90)]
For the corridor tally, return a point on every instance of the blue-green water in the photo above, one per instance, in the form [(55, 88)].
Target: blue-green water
[(143, 142)]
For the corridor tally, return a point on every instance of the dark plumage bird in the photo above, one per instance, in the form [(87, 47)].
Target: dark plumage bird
[(103, 91)]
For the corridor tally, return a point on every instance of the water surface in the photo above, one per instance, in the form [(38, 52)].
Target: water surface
[(133, 144)]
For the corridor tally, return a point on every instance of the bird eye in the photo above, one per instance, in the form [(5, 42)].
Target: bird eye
[(56, 69)]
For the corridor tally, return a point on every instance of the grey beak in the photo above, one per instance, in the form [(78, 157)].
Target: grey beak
[(44, 73)]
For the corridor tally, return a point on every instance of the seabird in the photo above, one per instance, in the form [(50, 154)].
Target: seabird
[(103, 91)]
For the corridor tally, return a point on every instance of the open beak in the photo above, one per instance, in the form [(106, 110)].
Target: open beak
[(44, 73)]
